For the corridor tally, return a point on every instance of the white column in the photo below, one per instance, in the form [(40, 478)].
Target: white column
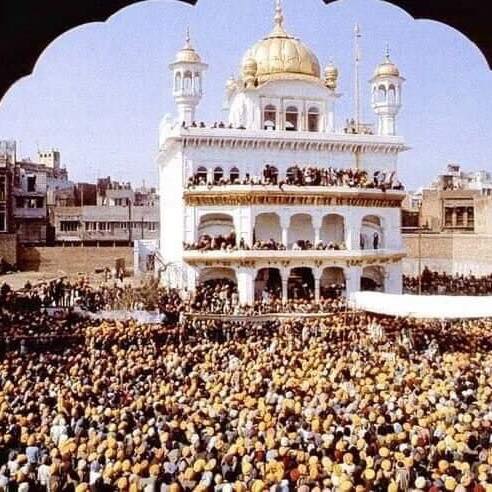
[(352, 233), (352, 280), (391, 238), (246, 285), (191, 278), (284, 224), (352, 230), (317, 280), (285, 279), (393, 283), (191, 225), (236, 219), (186, 113), (247, 221), (317, 222), (388, 124)]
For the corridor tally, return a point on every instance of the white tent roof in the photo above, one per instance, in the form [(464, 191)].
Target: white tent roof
[(429, 307)]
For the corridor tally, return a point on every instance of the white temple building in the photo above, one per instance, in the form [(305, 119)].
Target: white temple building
[(338, 224)]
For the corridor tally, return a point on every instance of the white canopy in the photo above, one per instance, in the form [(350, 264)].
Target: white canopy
[(429, 307)]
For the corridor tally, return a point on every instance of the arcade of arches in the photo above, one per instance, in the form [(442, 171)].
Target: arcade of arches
[(302, 282), (289, 230)]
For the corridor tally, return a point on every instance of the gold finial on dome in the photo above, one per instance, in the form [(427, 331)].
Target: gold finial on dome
[(187, 53), (279, 19), (188, 38), (388, 52)]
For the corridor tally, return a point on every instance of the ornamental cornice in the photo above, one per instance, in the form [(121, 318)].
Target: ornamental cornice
[(292, 145), (276, 197), (283, 140), (285, 259)]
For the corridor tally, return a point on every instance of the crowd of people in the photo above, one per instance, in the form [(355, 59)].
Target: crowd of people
[(433, 282), (343, 401), (346, 402), (229, 243), (214, 243), (215, 124), (303, 176)]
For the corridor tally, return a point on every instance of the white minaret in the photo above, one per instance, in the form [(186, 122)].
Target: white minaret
[(386, 95), (187, 76)]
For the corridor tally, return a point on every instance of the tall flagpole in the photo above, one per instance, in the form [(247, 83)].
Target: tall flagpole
[(357, 59)]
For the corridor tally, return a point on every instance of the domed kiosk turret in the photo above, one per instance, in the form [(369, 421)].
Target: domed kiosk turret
[(188, 71), (386, 95)]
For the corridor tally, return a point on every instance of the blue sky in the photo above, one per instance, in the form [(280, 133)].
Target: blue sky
[(98, 92)]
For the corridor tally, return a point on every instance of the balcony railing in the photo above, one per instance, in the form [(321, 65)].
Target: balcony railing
[(313, 254), (30, 213)]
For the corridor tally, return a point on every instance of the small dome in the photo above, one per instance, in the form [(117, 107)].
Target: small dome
[(331, 70), (331, 76), (231, 84), (281, 55), (187, 53), (387, 68), (250, 67)]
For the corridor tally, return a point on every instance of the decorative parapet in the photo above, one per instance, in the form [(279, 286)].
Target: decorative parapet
[(290, 258), (239, 195), (283, 140)]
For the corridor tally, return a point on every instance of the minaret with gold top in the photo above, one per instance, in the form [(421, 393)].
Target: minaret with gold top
[(188, 81), (386, 95)]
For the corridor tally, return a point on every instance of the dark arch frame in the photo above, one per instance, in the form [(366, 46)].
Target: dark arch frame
[(24, 40)]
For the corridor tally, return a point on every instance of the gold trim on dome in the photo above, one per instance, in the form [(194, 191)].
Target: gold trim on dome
[(289, 76)]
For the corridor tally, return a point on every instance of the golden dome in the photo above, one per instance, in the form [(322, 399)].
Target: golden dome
[(280, 55), (187, 53), (387, 68)]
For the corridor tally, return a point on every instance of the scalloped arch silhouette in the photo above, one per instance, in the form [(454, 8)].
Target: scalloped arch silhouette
[(20, 52)]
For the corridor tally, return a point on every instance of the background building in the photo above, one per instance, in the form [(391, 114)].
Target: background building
[(115, 215), (454, 215), (8, 240)]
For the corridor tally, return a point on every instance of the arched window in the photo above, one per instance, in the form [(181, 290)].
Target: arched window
[(313, 119), (188, 83), (177, 81), (392, 94), (291, 118), (218, 174), (381, 93), (269, 117), (197, 82), (234, 174), (201, 174)]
